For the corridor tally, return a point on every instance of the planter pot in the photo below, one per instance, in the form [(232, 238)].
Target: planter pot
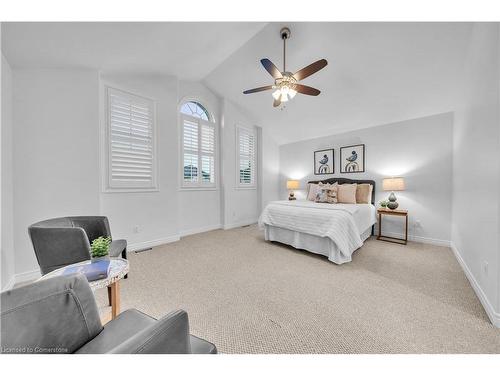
[(98, 259)]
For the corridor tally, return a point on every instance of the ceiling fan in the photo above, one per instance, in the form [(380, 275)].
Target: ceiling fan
[(285, 83)]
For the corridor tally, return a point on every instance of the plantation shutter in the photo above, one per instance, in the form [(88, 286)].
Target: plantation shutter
[(131, 141), (198, 152), (246, 160), (190, 154), (207, 153)]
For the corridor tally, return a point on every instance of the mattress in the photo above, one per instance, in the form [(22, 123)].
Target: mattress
[(335, 231)]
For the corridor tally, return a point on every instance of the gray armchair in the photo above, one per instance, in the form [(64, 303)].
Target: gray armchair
[(59, 315), (66, 240)]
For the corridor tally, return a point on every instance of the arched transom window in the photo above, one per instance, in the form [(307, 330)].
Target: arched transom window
[(198, 158), (196, 110)]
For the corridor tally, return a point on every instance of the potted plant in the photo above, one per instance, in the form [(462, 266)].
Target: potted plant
[(99, 249), (383, 204)]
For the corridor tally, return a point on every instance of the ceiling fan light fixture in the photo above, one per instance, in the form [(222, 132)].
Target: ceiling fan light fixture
[(277, 94), (286, 84)]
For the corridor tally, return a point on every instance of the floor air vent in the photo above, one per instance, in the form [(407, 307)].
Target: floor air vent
[(142, 250)]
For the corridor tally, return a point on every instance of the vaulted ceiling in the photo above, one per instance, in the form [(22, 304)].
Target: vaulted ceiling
[(377, 73), (184, 49)]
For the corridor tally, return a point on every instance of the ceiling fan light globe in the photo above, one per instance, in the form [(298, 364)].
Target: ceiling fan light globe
[(292, 93), (284, 98), (277, 94)]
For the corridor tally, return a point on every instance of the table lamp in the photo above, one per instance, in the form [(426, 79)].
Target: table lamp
[(292, 185), (393, 184)]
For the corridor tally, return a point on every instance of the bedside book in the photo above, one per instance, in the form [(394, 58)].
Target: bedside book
[(92, 271)]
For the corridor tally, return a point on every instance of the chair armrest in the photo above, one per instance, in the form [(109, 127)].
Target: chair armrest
[(169, 335), (59, 313), (58, 247)]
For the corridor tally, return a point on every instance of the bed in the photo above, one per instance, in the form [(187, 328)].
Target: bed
[(332, 230)]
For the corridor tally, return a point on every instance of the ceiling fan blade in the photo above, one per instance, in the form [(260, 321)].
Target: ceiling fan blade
[(258, 89), (303, 89), (276, 103), (310, 69), (271, 68)]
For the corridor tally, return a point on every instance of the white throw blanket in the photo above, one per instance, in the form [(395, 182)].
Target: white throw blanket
[(334, 221)]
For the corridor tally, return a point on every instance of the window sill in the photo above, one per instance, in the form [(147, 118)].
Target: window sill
[(187, 188), (246, 187), (130, 190)]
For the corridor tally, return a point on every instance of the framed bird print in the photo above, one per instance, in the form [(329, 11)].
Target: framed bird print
[(324, 161), (352, 159)]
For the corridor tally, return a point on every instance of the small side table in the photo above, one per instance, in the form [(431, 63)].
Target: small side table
[(118, 268), (387, 211)]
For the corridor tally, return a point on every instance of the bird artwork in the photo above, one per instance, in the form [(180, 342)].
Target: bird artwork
[(324, 162), (353, 156), (323, 168), (352, 166), (353, 159)]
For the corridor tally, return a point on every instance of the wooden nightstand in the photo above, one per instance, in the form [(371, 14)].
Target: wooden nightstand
[(387, 211)]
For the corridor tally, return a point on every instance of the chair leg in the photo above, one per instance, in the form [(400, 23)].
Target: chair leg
[(124, 256), (109, 295)]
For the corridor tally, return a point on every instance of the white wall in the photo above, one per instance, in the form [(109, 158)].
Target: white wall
[(54, 149), (57, 147), (269, 168), (200, 210), (154, 214), (7, 228), (241, 205), (419, 150), (475, 229)]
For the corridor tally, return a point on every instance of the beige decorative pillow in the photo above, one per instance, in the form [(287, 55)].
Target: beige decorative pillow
[(327, 193), (364, 193), (321, 197), (347, 193), (312, 192)]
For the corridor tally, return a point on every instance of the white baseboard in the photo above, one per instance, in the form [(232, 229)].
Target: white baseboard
[(23, 277), (239, 224), (184, 233), (152, 243), (488, 307), (427, 240), (33, 275), (10, 283)]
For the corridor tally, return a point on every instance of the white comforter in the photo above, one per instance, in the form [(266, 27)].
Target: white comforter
[(335, 221)]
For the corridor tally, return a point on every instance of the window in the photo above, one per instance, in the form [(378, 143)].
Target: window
[(198, 147), (131, 161), (246, 163), (195, 110)]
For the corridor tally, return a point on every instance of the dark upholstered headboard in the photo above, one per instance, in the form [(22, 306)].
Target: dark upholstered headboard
[(341, 180)]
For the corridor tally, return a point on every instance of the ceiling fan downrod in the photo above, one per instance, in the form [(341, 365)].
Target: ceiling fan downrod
[(285, 34)]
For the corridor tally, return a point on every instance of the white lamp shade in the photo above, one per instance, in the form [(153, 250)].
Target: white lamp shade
[(393, 184), (292, 184)]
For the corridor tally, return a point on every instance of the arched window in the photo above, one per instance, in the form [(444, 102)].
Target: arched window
[(198, 151), (195, 109)]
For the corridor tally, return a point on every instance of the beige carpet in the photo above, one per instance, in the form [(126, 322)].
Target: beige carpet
[(250, 296)]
